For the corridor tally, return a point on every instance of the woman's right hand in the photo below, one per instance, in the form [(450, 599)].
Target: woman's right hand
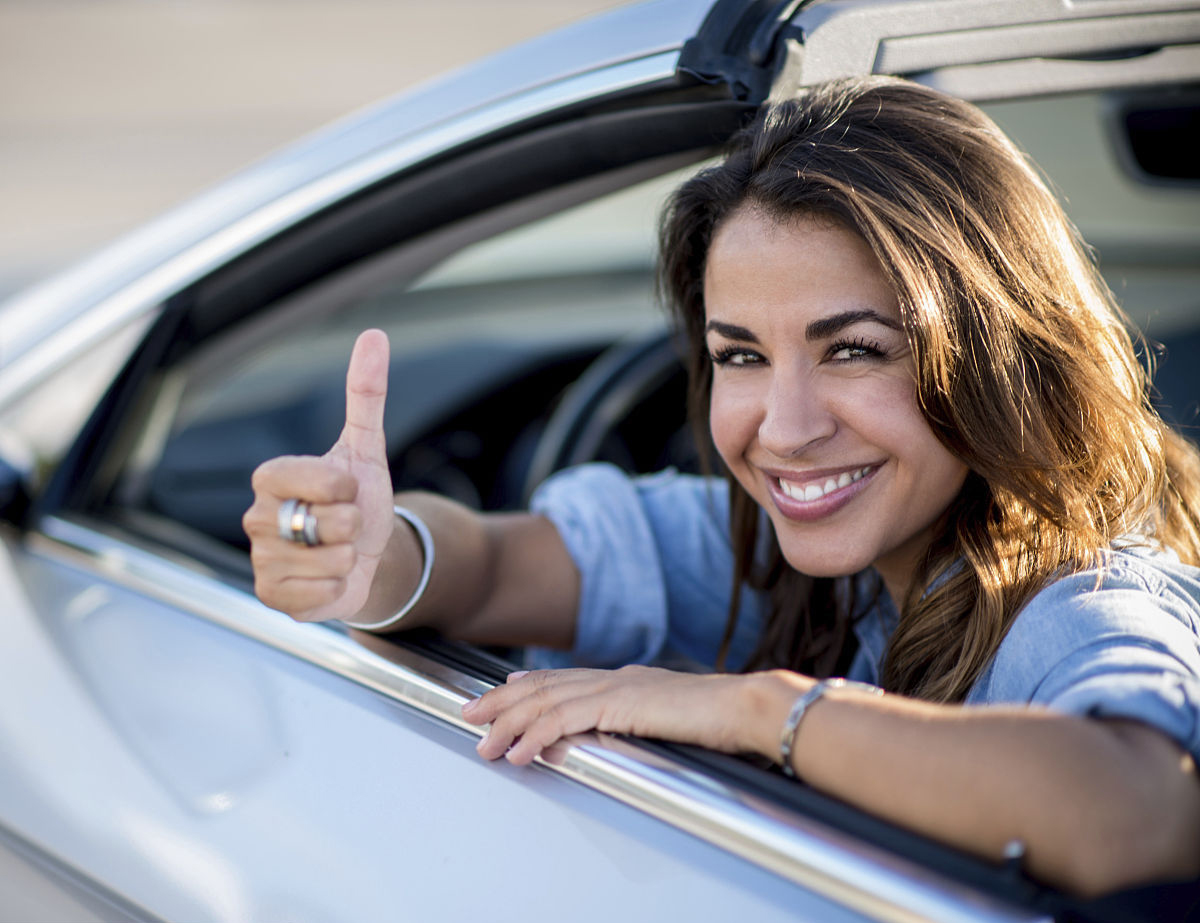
[(348, 489)]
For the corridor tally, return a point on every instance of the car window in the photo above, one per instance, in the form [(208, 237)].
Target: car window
[(1145, 230), (484, 342)]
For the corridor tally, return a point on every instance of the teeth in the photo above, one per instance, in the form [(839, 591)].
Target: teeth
[(812, 492)]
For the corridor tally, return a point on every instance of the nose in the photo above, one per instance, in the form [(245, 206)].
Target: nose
[(796, 416)]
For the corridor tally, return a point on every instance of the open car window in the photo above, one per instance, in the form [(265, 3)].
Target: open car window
[(485, 341)]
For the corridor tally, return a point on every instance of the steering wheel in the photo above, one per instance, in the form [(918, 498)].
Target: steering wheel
[(585, 424)]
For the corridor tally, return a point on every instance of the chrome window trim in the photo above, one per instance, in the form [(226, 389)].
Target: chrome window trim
[(827, 861), (35, 360)]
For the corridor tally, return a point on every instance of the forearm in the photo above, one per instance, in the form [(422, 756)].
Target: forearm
[(497, 578), (1096, 806)]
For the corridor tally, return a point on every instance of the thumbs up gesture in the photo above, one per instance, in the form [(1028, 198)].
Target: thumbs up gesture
[(348, 492)]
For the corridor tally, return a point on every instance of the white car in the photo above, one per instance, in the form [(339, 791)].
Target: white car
[(172, 749)]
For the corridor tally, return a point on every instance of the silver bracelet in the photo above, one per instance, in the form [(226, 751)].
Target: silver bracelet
[(791, 725), (426, 538)]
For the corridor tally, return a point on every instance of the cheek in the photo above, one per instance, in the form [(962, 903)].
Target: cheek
[(732, 421), (947, 472), (888, 414), (938, 474)]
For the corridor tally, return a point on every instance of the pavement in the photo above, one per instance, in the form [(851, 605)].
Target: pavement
[(111, 111)]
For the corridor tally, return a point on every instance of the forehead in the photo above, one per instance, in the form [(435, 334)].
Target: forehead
[(807, 264)]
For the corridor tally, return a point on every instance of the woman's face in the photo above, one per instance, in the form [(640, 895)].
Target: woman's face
[(814, 405)]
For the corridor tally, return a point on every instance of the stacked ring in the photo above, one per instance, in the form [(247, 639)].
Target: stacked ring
[(297, 523)]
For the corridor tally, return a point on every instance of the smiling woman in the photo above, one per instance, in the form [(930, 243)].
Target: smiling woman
[(912, 372)]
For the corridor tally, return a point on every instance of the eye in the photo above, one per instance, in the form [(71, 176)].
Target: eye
[(735, 356), (854, 350)]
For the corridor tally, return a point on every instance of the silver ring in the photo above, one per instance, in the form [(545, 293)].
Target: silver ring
[(297, 523), (310, 527), (287, 511)]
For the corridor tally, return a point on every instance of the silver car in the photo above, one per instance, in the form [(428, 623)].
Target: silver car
[(172, 749)]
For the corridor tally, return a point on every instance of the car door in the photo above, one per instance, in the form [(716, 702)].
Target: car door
[(179, 751)]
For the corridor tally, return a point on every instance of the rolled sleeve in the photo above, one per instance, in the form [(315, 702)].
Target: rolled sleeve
[(655, 567), (1121, 643)]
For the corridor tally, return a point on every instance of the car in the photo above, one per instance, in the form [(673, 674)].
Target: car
[(173, 749)]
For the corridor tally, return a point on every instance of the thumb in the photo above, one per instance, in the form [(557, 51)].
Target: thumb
[(366, 393)]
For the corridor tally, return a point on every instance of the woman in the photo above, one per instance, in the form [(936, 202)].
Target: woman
[(915, 377)]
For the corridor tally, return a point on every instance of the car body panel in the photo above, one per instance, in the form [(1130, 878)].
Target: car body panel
[(181, 753), (206, 739)]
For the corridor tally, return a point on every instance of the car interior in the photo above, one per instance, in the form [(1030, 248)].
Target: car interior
[(516, 283)]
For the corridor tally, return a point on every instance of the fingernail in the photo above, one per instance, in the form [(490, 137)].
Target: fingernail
[(517, 675), (469, 706), (482, 743)]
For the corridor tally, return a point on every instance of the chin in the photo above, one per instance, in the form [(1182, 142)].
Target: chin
[(807, 560)]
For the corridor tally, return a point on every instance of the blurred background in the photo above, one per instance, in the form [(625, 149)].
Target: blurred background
[(111, 111)]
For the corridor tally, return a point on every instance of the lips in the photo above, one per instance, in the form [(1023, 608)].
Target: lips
[(816, 489), (813, 495)]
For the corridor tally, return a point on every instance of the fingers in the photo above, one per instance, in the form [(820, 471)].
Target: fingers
[(299, 580), (337, 523), (294, 578), (288, 560), (314, 480), (533, 710), (299, 597), (366, 395)]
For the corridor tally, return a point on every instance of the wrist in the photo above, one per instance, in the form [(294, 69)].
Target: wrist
[(770, 696), (408, 560)]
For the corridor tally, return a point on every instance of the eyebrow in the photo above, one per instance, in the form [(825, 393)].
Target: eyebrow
[(817, 330), (835, 323), (731, 331)]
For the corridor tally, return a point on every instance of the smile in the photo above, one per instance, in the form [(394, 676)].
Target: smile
[(814, 496), (815, 490)]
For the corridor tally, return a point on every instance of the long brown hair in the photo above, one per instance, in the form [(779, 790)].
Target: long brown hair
[(1024, 364)]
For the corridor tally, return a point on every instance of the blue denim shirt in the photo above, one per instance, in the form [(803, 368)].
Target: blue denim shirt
[(656, 568)]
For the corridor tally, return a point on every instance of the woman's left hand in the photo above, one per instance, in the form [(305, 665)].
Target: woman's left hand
[(532, 710)]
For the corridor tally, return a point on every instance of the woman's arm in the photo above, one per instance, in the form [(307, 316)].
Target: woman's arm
[(500, 578), (496, 578), (1098, 805)]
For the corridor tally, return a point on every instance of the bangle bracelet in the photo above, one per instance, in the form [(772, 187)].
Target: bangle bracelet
[(426, 538), (800, 707)]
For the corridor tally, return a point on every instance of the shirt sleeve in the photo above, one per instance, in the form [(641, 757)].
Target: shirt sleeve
[(655, 568), (1123, 642)]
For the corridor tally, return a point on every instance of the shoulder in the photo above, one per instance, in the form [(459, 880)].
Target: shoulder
[(1132, 590), (655, 565), (1136, 607)]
